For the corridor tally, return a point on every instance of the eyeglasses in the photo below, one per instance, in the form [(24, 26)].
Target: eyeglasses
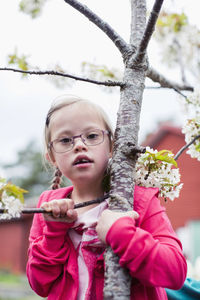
[(90, 138)]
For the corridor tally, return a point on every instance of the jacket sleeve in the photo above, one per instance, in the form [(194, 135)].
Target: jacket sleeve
[(48, 252), (151, 252)]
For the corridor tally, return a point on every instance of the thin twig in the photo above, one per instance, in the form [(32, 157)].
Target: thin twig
[(164, 82), (79, 205), (106, 83), (163, 87), (148, 32), (186, 146)]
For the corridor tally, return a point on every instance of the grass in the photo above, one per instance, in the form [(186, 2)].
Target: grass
[(9, 278), (15, 287)]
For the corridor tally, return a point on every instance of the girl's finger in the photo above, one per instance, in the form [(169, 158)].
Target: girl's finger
[(63, 204), (72, 214), (55, 208), (70, 203), (46, 206)]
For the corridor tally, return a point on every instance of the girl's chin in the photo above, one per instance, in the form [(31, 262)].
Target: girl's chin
[(86, 179)]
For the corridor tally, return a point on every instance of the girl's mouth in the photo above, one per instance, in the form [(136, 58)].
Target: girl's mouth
[(82, 161)]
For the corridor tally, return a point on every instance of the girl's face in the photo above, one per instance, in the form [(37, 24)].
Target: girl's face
[(71, 121)]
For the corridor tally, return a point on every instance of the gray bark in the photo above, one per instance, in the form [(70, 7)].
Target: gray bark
[(117, 280), (164, 82)]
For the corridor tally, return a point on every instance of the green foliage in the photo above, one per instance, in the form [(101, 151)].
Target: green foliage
[(174, 21), (31, 7), (163, 155), (197, 147), (19, 61), (31, 174), (100, 72), (106, 72), (12, 190), (167, 156), (9, 278), (15, 287)]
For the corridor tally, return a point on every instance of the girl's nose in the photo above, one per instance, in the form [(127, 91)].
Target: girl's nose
[(79, 145)]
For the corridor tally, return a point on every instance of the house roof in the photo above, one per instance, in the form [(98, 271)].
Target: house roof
[(153, 139)]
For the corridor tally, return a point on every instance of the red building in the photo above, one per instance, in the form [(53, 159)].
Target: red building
[(184, 211), (14, 244), (187, 207)]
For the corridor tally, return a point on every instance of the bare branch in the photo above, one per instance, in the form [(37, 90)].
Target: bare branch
[(138, 21), (141, 52), (162, 87), (105, 27), (157, 77), (106, 83), (186, 146)]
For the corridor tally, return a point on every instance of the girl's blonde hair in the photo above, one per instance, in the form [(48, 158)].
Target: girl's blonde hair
[(58, 104)]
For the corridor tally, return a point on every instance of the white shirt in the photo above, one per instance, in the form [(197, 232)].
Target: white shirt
[(88, 246)]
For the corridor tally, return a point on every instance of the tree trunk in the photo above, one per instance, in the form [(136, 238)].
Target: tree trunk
[(117, 279)]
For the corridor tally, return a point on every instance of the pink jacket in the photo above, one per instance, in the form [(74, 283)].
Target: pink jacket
[(148, 247)]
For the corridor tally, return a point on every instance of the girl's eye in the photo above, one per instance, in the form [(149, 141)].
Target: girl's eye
[(92, 136), (65, 141)]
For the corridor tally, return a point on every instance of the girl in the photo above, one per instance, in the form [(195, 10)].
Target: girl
[(66, 246)]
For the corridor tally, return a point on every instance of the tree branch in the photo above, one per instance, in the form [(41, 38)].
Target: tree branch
[(186, 146), (28, 210), (117, 282), (138, 21), (141, 52), (105, 27), (162, 87), (106, 83), (157, 77)]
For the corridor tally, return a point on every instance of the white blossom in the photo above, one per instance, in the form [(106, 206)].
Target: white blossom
[(32, 7), (191, 126), (12, 206), (191, 129), (150, 172), (191, 104), (181, 46), (9, 202)]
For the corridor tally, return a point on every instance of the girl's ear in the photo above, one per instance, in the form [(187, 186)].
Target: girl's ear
[(50, 158)]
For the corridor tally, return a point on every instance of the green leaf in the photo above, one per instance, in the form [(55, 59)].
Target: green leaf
[(2, 180), (12, 59), (106, 72), (31, 7), (13, 190), (197, 147), (174, 21), (23, 65), (166, 155), (19, 61)]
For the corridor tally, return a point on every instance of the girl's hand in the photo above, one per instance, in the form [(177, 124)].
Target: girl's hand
[(61, 210), (107, 219)]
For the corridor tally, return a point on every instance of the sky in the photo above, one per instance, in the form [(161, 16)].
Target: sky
[(63, 36)]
